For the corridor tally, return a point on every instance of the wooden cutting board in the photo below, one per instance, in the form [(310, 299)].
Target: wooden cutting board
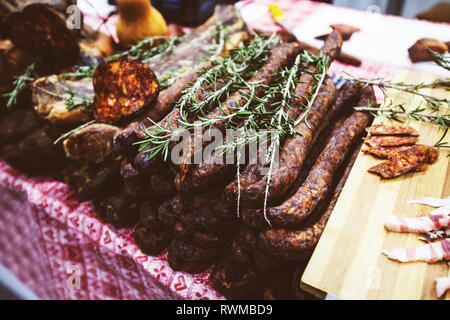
[(348, 262)]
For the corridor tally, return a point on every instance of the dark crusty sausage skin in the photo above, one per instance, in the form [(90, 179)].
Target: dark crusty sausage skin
[(292, 156), (164, 104), (190, 252), (171, 210), (192, 267), (298, 244), (151, 236), (234, 280), (316, 186), (41, 31)]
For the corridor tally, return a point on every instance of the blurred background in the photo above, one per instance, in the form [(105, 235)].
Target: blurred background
[(405, 8)]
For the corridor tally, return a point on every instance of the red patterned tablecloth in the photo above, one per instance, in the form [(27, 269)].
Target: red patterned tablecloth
[(47, 238)]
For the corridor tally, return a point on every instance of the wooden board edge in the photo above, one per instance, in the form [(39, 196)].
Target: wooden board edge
[(314, 291)]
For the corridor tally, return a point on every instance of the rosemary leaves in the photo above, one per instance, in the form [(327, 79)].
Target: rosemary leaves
[(442, 60), (19, 85), (439, 108), (232, 71)]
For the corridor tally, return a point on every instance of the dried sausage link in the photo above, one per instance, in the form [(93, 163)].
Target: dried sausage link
[(298, 244)]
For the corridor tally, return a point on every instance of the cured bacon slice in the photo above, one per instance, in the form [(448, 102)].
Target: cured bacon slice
[(442, 285), (384, 152), (390, 141), (383, 130), (431, 253), (416, 225), (432, 202), (405, 161), (441, 211)]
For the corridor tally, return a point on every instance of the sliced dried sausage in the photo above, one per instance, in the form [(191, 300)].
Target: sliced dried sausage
[(122, 88)]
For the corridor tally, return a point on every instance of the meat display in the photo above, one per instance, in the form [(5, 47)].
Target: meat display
[(107, 126)]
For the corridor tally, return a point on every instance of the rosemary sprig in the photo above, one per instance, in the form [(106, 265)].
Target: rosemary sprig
[(145, 50), (256, 118), (433, 102), (220, 37), (440, 59), (401, 114), (65, 135), (76, 100), (232, 70), (81, 72), (20, 84), (71, 98), (270, 112), (170, 77)]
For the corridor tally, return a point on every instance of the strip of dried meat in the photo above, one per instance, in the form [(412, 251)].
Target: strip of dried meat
[(384, 152), (384, 130), (405, 161), (390, 141)]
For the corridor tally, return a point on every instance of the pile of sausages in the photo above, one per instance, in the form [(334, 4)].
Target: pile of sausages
[(192, 211), (298, 218)]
